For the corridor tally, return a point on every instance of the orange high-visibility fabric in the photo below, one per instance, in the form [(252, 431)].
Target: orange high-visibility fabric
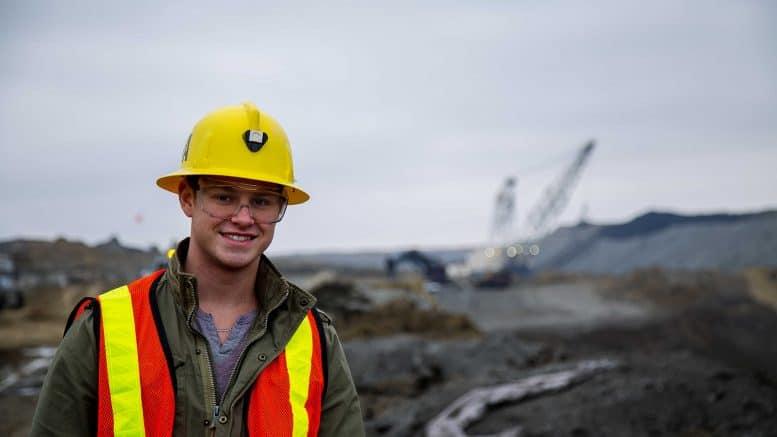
[(269, 409), (315, 392), (157, 394), (156, 388), (270, 412)]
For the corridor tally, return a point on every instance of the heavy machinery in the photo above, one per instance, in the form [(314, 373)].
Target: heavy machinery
[(505, 256), (432, 269), (556, 195)]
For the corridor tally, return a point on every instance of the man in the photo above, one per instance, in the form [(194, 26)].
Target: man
[(218, 343)]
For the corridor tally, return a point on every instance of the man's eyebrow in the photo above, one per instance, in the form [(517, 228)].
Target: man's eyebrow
[(255, 190), (225, 187)]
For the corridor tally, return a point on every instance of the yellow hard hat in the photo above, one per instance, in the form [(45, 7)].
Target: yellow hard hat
[(241, 142)]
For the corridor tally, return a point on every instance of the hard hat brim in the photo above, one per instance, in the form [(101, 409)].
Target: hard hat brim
[(169, 182)]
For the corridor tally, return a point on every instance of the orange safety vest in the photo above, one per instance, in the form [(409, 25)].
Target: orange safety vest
[(136, 381)]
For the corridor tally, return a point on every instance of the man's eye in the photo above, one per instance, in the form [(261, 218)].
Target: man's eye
[(267, 201), (261, 201), (223, 198)]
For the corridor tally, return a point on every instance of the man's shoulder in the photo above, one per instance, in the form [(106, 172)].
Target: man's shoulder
[(326, 318), (305, 294)]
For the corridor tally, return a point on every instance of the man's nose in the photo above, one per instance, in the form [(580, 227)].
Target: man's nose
[(241, 217)]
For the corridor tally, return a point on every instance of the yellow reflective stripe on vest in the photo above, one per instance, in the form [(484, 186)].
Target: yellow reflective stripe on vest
[(299, 355), (121, 357)]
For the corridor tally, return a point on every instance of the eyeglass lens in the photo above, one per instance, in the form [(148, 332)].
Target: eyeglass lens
[(225, 202)]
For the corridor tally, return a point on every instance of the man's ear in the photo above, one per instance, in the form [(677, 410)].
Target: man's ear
[(186, 198)]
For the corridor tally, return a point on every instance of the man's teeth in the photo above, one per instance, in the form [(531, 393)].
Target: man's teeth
[(238, 237)]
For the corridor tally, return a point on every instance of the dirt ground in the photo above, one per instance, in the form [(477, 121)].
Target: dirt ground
[(694, 351)]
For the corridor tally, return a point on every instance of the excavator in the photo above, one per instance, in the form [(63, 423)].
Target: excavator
[(432, 269)]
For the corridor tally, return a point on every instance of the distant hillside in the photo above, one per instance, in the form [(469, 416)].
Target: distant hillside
[(62, 262), (658, 239)]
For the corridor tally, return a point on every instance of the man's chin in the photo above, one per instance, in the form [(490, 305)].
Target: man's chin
[(238, 262)]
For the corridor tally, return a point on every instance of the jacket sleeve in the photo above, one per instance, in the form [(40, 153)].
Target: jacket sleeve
[(67, 404), (341, 413)]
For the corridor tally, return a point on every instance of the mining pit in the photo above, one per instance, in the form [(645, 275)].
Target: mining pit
[(653, 352)]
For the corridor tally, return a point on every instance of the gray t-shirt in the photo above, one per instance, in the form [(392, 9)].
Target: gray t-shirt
[(224, 356)]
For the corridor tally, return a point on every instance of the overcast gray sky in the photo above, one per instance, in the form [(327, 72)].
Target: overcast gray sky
[(404, 118)]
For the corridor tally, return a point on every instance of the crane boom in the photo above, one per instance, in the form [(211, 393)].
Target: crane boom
[(556, 195)]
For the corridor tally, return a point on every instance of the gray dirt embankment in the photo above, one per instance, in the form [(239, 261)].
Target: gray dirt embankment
[(719, 242), (694, 352), (578, 305)]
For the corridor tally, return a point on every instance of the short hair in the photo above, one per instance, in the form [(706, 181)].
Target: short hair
[(193, 181)]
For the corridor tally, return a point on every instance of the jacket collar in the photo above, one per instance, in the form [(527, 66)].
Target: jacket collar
[(270, 286)]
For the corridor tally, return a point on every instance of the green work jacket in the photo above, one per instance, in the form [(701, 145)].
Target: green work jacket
[(67, 404)]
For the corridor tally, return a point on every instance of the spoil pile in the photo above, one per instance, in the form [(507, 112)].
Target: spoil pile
[(670, 241), (358, 314)]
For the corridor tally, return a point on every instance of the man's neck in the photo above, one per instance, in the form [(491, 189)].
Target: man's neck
[(220, 289)]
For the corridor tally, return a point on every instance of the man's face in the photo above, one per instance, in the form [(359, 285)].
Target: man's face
[(222, 237)]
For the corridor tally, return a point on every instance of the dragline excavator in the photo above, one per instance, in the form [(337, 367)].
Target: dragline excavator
[(505, 256)]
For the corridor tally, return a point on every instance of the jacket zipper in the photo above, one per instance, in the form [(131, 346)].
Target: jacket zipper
[(211, 380), (212, 387)]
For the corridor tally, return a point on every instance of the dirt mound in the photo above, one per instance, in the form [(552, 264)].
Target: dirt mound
[(674, 290), (63, 262), (763, 285), (41, 321), (404, 316), (722, 242), (359, 316)]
